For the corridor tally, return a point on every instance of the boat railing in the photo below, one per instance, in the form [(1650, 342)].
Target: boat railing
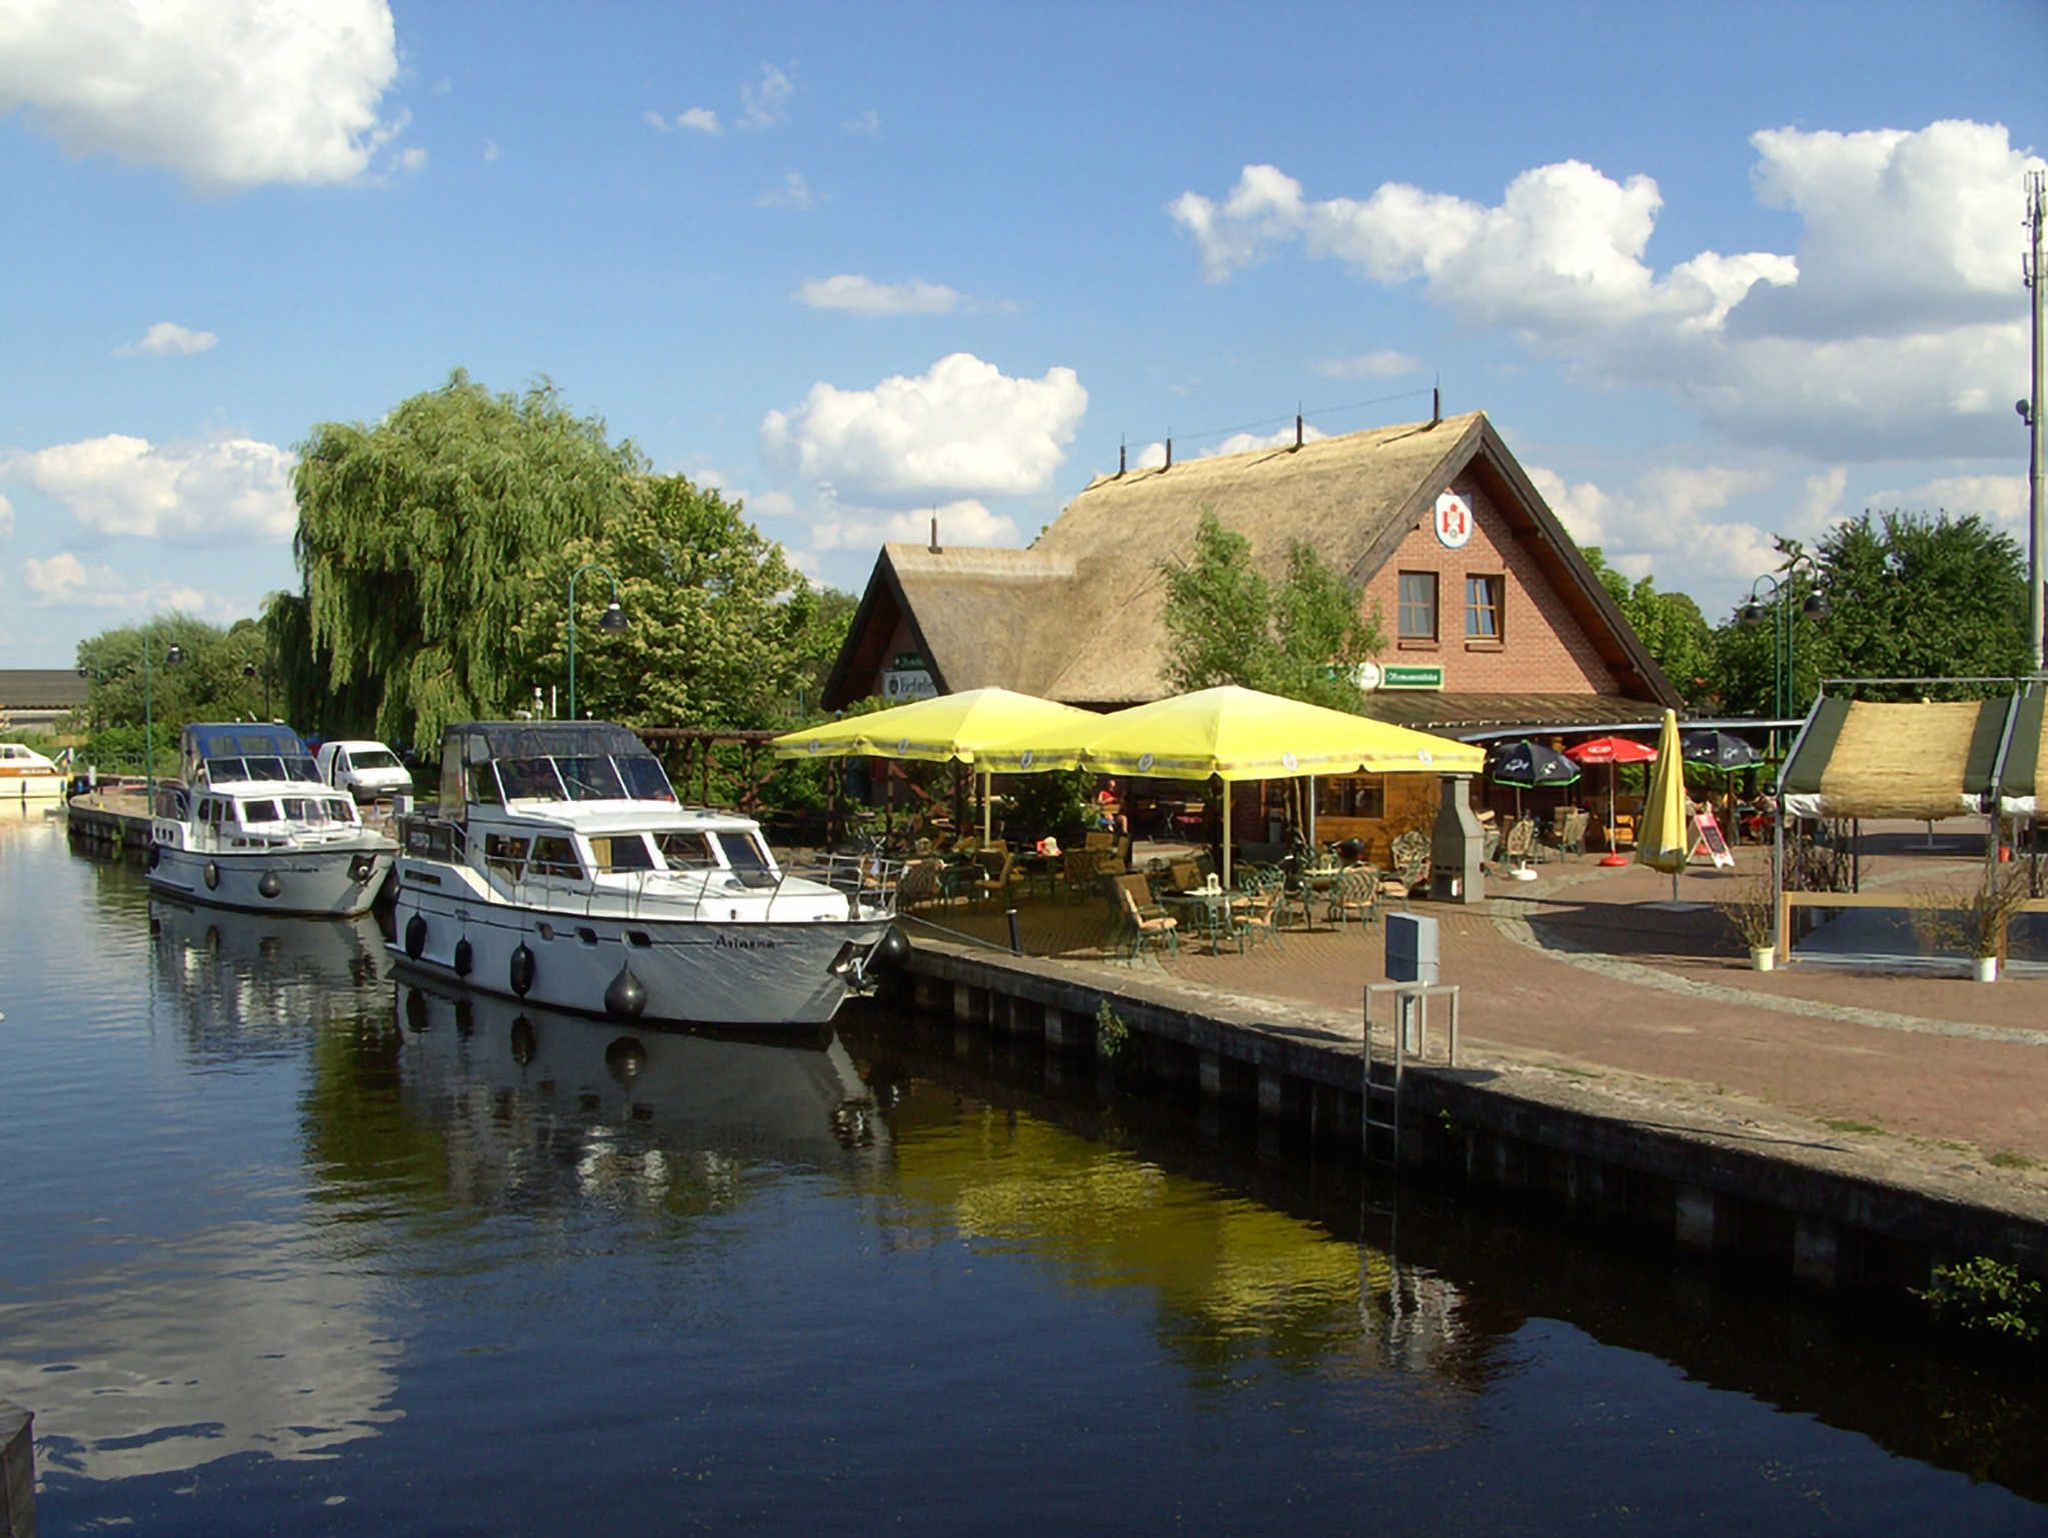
[(868, 879)]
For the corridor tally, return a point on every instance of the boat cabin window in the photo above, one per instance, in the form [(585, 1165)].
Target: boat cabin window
[(684, 850), (260, 811), (504, 854), (744, 852), (622, 851), (554, 857), (317, 809)]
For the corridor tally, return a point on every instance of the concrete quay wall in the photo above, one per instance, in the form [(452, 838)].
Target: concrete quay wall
[(1827, 1217)]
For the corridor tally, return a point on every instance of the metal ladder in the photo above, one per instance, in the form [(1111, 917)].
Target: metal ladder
[(1384, 1077)]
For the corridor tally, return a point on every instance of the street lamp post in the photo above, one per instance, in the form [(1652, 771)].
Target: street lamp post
[(172, 657), (249, 672), (1815, 606), (613, 619)]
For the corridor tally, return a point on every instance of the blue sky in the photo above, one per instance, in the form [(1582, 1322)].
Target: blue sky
[(1717, 272)]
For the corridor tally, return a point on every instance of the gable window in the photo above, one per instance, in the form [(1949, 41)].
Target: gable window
[(1418, 606), (1482, 607)]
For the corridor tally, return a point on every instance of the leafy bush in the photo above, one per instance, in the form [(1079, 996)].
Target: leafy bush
[(1987, 1296)]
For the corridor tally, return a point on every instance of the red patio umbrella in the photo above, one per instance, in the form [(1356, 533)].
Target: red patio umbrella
[(1611, 751)]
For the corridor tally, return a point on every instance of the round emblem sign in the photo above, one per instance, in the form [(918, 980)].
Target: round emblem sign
[(1288, 761), (815, 744), (902, 744), (1026, 759), (1453, 520), (1144, 763)]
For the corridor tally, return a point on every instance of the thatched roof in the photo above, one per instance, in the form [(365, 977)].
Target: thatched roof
[(1428, 711), (1926, 761), (1079, 616)]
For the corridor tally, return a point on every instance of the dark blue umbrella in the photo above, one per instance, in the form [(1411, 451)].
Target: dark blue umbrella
[(1718, 751), (1526, 764)]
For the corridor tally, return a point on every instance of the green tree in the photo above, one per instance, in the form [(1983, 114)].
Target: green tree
[(1914, 596), (420, 543), (721, 631), (1670, 625), (209, 683), (1226, 624)]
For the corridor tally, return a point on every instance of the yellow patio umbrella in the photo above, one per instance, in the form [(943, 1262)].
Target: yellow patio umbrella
[(1235, 734), (948, 727), (1661, 841)]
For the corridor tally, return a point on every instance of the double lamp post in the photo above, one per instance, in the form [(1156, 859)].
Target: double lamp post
[(613, 619), (1752, 612)]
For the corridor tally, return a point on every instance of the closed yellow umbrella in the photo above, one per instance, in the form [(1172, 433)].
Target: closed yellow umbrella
[(938, 730), (1661, 841), (1234, 734)]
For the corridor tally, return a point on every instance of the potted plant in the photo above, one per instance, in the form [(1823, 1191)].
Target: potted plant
[(1752, 912), (1974, 921)]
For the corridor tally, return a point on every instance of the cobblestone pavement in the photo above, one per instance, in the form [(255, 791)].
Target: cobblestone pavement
[(1580, 974)]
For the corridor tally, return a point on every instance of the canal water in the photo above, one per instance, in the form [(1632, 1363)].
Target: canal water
[(288, 1248)]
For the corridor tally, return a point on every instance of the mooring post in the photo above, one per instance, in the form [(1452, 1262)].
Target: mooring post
[(1016, 941), (17, 1471)]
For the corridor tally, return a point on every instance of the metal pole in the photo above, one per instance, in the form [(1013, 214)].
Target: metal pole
[(579, 571), (148, 729), (2037, 205)]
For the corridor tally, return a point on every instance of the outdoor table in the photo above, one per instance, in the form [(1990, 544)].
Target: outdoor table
[(1205, 913), (1309, 887)]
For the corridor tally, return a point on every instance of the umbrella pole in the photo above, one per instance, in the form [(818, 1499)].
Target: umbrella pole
[(988, 813), (1613, 855), (1226, 833)]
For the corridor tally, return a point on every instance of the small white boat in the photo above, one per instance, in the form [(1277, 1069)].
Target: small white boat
[(250, 826), (561, 869), (26, 775)]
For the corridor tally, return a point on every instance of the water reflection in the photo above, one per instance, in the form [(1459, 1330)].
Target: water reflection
[(250, 984), (536, 1108)]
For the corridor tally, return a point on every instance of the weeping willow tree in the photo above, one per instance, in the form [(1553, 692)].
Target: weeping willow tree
[(422, 543)]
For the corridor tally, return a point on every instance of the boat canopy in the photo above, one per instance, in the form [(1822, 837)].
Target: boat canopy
[(493, 762), (223, 752)]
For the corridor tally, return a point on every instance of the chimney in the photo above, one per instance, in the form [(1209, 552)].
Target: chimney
[(1169, 453), (935, 532), (1436, 404), (1297, 427), (1122, 447)]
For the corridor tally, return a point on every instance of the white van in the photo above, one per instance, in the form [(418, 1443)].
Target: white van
[(366, 770)]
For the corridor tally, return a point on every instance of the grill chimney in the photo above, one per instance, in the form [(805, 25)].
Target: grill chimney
[(935, 532), (1297, 427), (1122, 449), (1436, 404), (1169, 453)]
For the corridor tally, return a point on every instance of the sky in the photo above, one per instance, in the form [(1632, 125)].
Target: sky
[(1716, 272)]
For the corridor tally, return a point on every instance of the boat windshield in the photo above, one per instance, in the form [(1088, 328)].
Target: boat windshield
[(745, 853), (318, 809), (225, 771), (597, 778)]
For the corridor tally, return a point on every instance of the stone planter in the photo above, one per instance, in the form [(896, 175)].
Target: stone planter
[(1985, 968), (1763, 957)]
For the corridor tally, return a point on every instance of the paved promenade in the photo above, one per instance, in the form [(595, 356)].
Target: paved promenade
[(1578, 978)]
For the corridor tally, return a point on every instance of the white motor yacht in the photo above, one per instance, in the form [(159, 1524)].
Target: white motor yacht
[(560, 868), (26, 775), (249, 825)]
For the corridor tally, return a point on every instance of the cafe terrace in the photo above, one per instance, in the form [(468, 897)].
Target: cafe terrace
[(1494, 622)]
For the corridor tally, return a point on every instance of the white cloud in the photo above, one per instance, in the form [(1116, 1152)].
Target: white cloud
[(6, 517), (1153, 455), (65, 581), (224, 93), (700, 120), (1878, 339), (490, 150), (1999, 499), (1382, 363), (864, 296), (794, 192), (168, 339), (962, 429), (867, 124), (411, 161), (1667, 523), (767, 101), (965, 522), (124, 485)]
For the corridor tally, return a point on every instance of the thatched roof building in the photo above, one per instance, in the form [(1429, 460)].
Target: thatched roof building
[(1078, 617)]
